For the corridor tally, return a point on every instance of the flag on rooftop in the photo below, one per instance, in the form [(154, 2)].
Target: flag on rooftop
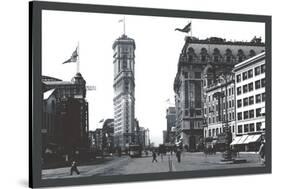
[(73, 58), (186, 29)]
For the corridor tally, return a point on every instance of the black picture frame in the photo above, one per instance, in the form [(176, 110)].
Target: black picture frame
[(35, 94)]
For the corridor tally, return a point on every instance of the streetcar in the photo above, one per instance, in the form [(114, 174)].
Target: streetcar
[(135, 150)]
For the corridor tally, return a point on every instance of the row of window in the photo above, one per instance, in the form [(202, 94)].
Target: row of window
[(230, 92), (250, 100), (249, 127), (249, 114), (217, 131), (249, 74), (250, 86), (214, 108), (231, 117)]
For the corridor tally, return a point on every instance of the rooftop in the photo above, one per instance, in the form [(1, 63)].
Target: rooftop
[(123, 40), (217, 40)]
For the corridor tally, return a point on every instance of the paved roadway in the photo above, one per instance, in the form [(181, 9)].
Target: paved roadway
[(126, 165)]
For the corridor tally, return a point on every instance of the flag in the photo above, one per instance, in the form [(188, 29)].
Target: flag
[(186, 29), (121, 20), (73, 57)]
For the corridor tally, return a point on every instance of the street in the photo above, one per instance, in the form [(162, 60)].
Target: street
[(125, 165)]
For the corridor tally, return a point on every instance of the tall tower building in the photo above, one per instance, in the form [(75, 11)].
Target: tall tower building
[(124, 91)]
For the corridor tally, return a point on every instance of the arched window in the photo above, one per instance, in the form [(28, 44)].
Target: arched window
[(191, 54), (228, 55), (203, 54), (240, 55), (252, 53), (216, 55)]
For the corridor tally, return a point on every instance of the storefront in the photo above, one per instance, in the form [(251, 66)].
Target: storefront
[(247, 142)]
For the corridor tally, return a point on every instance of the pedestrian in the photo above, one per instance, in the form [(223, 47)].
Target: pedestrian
[(119, 151), (262, 152), (146, 153), (154, 156), (178, 154), (205, 151), (161, 156), (74, 168)]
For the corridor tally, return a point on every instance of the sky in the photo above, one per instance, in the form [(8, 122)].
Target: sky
[(158, 46)]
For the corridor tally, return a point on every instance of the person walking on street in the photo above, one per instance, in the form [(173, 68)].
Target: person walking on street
[(162, 156), (262, 152), (178, 154), (74, 168), (154, 156)]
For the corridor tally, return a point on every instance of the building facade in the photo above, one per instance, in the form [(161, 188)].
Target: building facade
[(146, 138), (219, 111), (250, 102), (141, 136), (171, 124), (124, 91), (164, 136), (98, 141), (199, 65), (108, 135), (65, 117)]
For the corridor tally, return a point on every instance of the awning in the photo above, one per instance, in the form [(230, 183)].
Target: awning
[(248, 139), (236, 140), (253, 138), (242, 139)]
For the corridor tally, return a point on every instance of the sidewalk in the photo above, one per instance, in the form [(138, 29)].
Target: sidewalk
[(85, 170)]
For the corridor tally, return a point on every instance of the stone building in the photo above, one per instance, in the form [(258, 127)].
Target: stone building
[(200, 65), (65, 117), (124, 91), (250, 102)]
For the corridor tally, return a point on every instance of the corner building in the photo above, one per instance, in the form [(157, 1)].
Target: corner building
[(124, 91), (65, 125), (250, 102), (200, 63)]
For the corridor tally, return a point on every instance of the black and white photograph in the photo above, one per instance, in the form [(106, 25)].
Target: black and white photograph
[(141, 94), (127, 94)]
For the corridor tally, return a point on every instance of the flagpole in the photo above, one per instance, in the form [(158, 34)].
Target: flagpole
[(124, 26), (191, 28), (78, 59)]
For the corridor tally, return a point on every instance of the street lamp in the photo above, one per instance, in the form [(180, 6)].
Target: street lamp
[(227, 156)]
